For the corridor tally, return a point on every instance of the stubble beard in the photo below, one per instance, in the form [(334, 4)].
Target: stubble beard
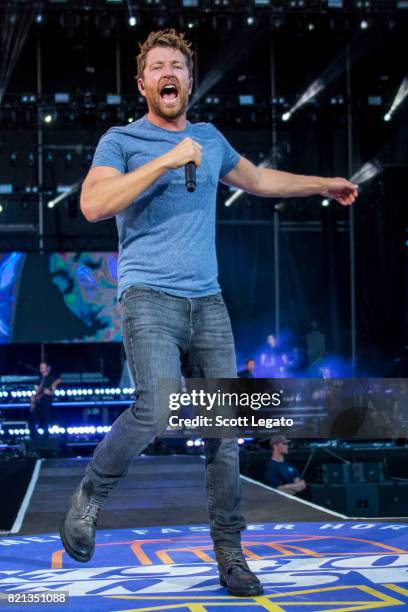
[(156, 104)]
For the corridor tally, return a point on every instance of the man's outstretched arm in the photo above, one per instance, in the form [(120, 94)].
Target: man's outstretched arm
[(271, 183)]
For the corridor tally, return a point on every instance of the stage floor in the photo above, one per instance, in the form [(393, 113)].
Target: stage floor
[(153, 549), (158, 490)]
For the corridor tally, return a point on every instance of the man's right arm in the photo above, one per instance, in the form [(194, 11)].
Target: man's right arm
[(106, 191)]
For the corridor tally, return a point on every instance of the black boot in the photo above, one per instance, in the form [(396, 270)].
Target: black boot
[(77, 529), (235, 573)]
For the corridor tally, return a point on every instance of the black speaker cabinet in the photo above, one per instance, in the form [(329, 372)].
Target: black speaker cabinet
[(362, 500), (367, 472), (336, 473), (329, 496), (393, 498)]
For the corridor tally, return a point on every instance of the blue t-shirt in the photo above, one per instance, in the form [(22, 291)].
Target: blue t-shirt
[(279, 473), (167, 235)]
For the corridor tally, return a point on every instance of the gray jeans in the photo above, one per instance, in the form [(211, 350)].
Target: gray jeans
[(160, 332)]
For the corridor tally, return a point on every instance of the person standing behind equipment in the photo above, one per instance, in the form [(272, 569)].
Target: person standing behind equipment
[(248, 371), (41, 401)]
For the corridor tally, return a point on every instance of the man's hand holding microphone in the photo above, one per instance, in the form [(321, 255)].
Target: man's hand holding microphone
[(188, 154)]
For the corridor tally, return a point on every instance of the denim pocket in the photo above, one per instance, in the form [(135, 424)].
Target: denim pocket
[(138, 290)]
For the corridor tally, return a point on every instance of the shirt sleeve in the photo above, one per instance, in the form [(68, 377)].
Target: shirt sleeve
[(109, 153), (229, 156)]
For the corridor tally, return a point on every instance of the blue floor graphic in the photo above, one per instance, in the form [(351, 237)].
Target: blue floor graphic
[(303, 566)]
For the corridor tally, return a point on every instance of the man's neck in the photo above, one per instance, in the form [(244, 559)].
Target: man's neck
[(278, 457), (175, 125)]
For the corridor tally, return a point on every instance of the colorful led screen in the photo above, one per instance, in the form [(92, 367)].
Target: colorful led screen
[(59, 297)]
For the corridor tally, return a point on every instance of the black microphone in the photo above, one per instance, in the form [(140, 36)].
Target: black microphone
[(190, 169)]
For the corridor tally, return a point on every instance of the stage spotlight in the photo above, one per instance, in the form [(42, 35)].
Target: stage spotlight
[(364, 24), (250, 20), (222, 23), (366, 172), (286, 116), (160, 20), (70, 22), (325, 202), (398, 100), (48, 118), (68, 159), (277, 22), (132, 21), (39, 18), (105, 23)]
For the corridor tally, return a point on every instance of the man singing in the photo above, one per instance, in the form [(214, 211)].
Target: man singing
[(172, 306)]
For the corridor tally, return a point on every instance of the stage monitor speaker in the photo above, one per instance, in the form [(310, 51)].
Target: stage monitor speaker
[(336, 473), (367, 472), (46, 448), (329, 496), (393, 498), (362, 500)]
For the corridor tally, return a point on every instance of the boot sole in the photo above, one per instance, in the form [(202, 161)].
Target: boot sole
[(256, 590), (71, 551)]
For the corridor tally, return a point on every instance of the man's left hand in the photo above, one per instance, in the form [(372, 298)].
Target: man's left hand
[(341, 190)]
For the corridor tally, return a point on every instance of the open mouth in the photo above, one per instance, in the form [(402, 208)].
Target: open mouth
[(169, 93)]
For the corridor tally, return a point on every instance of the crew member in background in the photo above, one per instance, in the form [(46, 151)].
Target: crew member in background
[(273, 362), (248, 371), (280, 474), (41, 401)]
